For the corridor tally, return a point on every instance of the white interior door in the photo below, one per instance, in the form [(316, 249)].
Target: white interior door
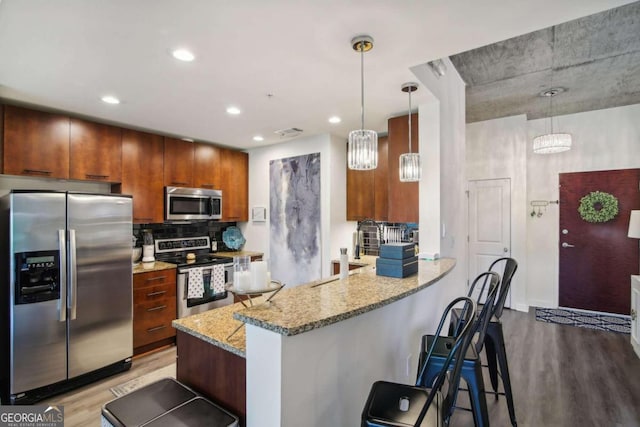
[(489, 225)]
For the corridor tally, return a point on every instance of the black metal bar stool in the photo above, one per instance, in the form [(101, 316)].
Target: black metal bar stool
[(494, 341), (471, 364), (400, 405)]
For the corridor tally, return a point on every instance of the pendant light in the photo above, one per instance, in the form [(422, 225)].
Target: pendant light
[(410, 168), (363, 143), (551, 142)]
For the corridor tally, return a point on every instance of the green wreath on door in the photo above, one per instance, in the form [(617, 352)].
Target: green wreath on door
[(598, 206)]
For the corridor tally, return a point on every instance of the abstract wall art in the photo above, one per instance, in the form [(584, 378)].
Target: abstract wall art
[(294, 215)]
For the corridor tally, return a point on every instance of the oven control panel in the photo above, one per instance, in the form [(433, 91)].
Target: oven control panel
[(186, 243)]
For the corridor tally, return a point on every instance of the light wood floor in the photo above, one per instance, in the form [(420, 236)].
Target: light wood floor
[(562, 376), (82, 406)]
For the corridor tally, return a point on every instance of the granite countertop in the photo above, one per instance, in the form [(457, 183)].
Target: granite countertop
[(214, 326), (363, 261), (238, 253), (311, 306), (146, 267), (322, 303)]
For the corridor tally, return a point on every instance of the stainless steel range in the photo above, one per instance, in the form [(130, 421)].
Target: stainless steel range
[(201, 276)]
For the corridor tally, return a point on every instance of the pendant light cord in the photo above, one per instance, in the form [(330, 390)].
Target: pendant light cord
[(362, 85), (409, 120), (553, 50)]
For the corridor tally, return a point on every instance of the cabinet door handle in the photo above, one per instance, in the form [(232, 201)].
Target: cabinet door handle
[(37, 171), (179, 183), (206, 185), (157, 328), (151, 279), (153, 294), (160, 307), (634, 314), (92, 176), (143, 219)]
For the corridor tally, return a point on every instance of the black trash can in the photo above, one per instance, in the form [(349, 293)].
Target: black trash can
[(165, 402)]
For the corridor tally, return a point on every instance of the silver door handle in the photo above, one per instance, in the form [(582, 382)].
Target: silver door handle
[(566, 245), (62, 305), (73, 291)]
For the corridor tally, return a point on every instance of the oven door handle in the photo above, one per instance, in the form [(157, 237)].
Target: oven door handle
[(185, 270)]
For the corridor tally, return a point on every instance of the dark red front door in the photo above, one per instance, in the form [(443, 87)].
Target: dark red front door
[(595, 272)]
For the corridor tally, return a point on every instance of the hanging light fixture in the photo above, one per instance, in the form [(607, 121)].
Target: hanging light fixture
[(551, 142), (410, 168), (363, 143)]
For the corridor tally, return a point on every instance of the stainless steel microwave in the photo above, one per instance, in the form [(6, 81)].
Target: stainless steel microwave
[(192, 203)]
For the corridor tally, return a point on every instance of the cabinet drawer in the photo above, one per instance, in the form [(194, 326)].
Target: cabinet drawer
[(154, 278), (156, 292), (151, 332), (154, 308), (152, 321)]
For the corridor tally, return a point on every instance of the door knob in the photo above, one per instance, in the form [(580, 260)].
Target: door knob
[(566, 245), (505, 250)]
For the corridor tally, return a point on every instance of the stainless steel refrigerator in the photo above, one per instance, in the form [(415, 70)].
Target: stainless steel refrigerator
[(66, 291)]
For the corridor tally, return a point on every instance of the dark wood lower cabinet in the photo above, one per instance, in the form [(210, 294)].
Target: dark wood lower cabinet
[(215, 373)]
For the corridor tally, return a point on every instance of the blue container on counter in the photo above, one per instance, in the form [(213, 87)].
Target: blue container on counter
[(398, 250), (396, 267)]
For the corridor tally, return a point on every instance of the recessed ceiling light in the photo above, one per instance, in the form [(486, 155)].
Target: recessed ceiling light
[(258, 138), (335, 119), (183, 55), (110, 99), (233, 110)]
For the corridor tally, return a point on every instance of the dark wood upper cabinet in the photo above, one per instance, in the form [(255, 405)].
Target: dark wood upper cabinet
[(367, 191), (142, 174), (95, 151), (235, 185), (381, 182), (207, 166), (35, 143), (178, 162), (360, 194), (403, 196)]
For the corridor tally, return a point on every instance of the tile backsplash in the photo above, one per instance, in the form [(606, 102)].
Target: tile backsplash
[(213, 229)]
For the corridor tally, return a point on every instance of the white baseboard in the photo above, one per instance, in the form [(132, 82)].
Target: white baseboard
[(542, 304), (522, 307)]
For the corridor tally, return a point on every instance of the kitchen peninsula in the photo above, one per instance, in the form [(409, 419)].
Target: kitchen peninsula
[(310, 356)]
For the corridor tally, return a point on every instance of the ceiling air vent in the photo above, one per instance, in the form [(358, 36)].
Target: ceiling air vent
[(289, 133)]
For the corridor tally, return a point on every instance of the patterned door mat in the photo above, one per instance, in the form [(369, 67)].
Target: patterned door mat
[(581, 319)]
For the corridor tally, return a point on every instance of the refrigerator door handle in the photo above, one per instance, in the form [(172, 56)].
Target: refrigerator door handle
[(73, 282), (62, 302)]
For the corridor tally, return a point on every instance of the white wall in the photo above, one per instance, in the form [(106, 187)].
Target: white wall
[(443, 203), (602, 139), (335, 231), (497, 149)]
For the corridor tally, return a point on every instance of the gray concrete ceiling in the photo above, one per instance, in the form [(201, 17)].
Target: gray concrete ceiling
[(596, 59)]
